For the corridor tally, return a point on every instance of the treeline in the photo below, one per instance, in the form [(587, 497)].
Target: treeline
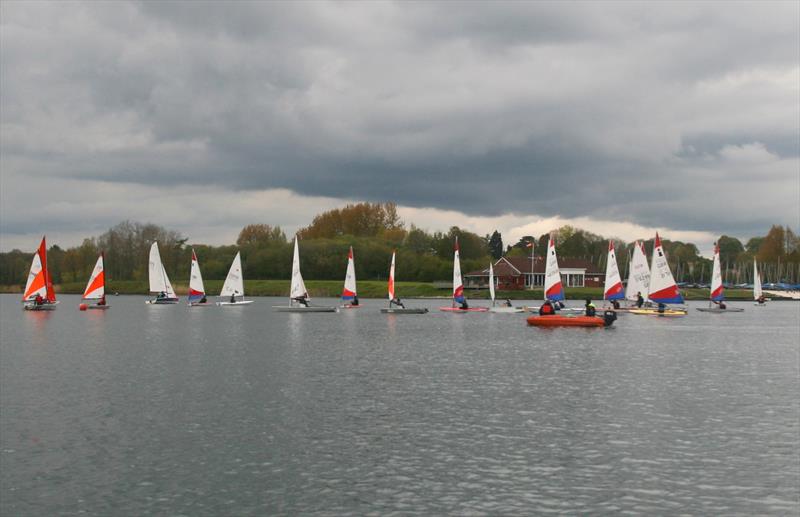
[(375, 230)]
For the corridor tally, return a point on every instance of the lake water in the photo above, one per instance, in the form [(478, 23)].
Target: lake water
[(166, 410)]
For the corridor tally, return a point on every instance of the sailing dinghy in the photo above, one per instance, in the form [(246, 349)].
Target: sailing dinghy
[(298, 294), (96, 287), (717, 290), (508, 309), (553, 287), (613, 289), (349, 296), (39, 293), (458, 288), (393, 300), (638, 278), (232, 293), (159, 281), (662, 288), (758, 293), (197, 291)]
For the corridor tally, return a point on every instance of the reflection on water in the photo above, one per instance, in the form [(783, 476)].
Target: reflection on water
[(241, 410)]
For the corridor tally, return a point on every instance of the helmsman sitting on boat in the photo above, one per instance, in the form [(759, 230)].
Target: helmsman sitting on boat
[(396, 301), (301, 300)]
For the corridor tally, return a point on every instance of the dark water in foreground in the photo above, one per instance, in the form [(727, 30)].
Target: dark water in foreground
[(173, 411)]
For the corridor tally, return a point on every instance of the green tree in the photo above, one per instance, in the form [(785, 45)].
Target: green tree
[(495, 245)]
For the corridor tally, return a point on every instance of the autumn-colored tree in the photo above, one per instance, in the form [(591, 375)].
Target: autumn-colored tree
[(260, 235), (360, 220), (773, 247)]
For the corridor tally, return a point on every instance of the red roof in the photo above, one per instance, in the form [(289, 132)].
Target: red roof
[(514, 266)]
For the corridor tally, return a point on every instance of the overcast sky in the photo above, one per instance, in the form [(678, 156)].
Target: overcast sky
[(621, 118)]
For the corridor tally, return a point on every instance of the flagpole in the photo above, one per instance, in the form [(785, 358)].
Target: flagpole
[(533, 259)]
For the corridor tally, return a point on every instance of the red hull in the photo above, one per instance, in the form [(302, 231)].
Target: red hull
[(566, 321)]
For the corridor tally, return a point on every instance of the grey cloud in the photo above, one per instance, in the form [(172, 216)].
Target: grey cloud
[(612, 110)]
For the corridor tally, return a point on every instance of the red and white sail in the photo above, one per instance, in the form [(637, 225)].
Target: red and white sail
[(717, 291), (39, 282), (96, 287), (196, 288), (458, 284), (391, 279), (613, 287), (553, 288), (349, 291), (639, 274), (662, 284)]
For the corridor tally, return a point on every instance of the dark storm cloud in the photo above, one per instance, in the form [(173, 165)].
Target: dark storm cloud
[(671, 114)]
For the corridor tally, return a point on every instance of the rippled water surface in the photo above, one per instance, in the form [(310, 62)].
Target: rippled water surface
[(167, 410)]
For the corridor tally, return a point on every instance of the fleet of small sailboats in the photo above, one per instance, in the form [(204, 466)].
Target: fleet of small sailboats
[(654, 283), (39, 294), (96, 287), (232, 294), (159, 281)]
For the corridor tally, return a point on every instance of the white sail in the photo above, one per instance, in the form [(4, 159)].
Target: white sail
[(553, 288), (639, 274), (234, 282), (159, 281), (349, 291), (662, 284), (96, 287), (196, 288), (298, 289), (391, 279), (36, 281), (491, 282), (757, 292), (717, 292)]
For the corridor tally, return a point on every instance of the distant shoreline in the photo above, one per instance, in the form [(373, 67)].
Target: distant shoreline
[(371, 289)]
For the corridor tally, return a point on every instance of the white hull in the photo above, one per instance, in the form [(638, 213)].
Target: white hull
[(400, 310), (506, 310), (231, 304), (30, 306), (717, 310), (198, 304), (289, 308)]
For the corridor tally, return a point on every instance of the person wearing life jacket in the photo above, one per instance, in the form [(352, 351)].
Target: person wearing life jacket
[(761, 300), (547, 309), (396, 301), (591, 310), (203, 299), (615, 304), (355, 300), (464, 305), (38, 300), (508, 303), (661, 308), (102, 300), (301, 300), (233, 297), (639, 300)]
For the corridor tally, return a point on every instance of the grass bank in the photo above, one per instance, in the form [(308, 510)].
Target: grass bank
[(366, 289)]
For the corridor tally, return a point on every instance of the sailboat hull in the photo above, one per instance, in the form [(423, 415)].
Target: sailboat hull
[(506, 310), (288, 308), (30, 306), (236, 303), (668, 313), (165, 301), (98, 307), (459, 309), (717, 310), (400, 310)]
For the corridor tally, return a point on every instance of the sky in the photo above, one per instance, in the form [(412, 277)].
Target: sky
[(622, 118)]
